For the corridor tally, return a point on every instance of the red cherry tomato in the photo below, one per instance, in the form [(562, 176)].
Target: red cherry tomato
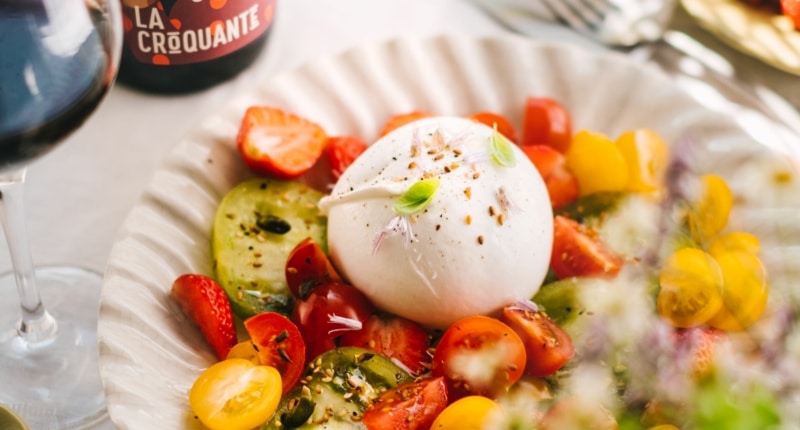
[(278, 344), (411, 406), (546, 122), (699, 344), (398, 338), (479, 355), (329, 311), (342, 151), (308, 266), (503, 124), (578, 251), (547, 346), (562, 185)]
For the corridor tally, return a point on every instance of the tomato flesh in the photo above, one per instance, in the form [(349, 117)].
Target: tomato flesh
[(235, 394), (411, 406), (479, 355), (278, 344), (548, 347), (495, 120), (561, 183), (578, 251), (342, 151)]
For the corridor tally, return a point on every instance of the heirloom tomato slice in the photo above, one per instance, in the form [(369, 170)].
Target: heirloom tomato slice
[(548, 347)]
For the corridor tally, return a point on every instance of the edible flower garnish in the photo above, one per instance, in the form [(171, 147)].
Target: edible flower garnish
[(416, 198), (347, 324), (501, 149)]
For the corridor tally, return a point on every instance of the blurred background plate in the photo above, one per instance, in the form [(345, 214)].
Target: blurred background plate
[(759, 33)]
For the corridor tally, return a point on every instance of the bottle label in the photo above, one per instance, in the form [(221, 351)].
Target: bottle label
[(164, 32)]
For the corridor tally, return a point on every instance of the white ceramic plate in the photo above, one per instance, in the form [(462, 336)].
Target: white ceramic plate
[(150, 356), (768, 36)]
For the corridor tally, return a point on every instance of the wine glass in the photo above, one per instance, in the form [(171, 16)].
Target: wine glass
[(58, 59)]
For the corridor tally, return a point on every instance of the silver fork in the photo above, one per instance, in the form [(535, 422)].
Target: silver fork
[(639, 28)]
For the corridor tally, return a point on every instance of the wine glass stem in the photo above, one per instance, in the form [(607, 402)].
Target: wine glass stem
[(36, 325)]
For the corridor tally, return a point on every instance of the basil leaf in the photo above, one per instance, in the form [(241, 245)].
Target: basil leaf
[(417, 197), (501, 150)]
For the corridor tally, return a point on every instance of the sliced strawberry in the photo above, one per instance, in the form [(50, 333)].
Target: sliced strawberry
[(402, 119), (398, 338), (503, 124), (342, 151), (578, 251), (279, 144), (699, 344), (205, 303)]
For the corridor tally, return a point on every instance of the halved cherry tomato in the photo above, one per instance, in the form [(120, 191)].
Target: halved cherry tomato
[(244, 350), (235, 394), (492, 119), (562, 185), (712, 208), (546, 122), (278, 344), (744, 290), (547, 346), (398, 338), (691, 288), (597, 162), (735, 241), (329, 311), (399, 120), (466, 413), (479, 355), (411, 406), (279, 144), (791, 8), (646, 155), (308, 266), (578, 251), (342, 151)]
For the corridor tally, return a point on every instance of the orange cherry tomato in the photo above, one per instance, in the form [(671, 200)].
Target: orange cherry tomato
[(399, 120), (492, 119), (479, 355)]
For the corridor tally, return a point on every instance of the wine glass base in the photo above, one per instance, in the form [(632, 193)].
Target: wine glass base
[(56, 384)]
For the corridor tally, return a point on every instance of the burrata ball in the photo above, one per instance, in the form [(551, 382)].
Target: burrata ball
[(441, 219)]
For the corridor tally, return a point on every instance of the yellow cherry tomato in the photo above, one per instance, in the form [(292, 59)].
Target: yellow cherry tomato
[(597, 163), (691, 288), (744, 290), (245, 350), (735, 241), (467, 413), (646, 156), (235, 394), (712, 209)]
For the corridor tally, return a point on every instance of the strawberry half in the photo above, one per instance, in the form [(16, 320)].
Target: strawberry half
[(205, 303), (791, 8), (279, 144)]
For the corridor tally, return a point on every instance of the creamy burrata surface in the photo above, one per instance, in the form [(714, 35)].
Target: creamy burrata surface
[(441, 219)]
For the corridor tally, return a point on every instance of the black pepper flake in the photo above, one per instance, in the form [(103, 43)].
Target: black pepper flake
[(480, 240)]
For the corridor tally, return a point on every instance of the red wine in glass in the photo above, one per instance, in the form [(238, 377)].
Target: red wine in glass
[(58, 59)]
